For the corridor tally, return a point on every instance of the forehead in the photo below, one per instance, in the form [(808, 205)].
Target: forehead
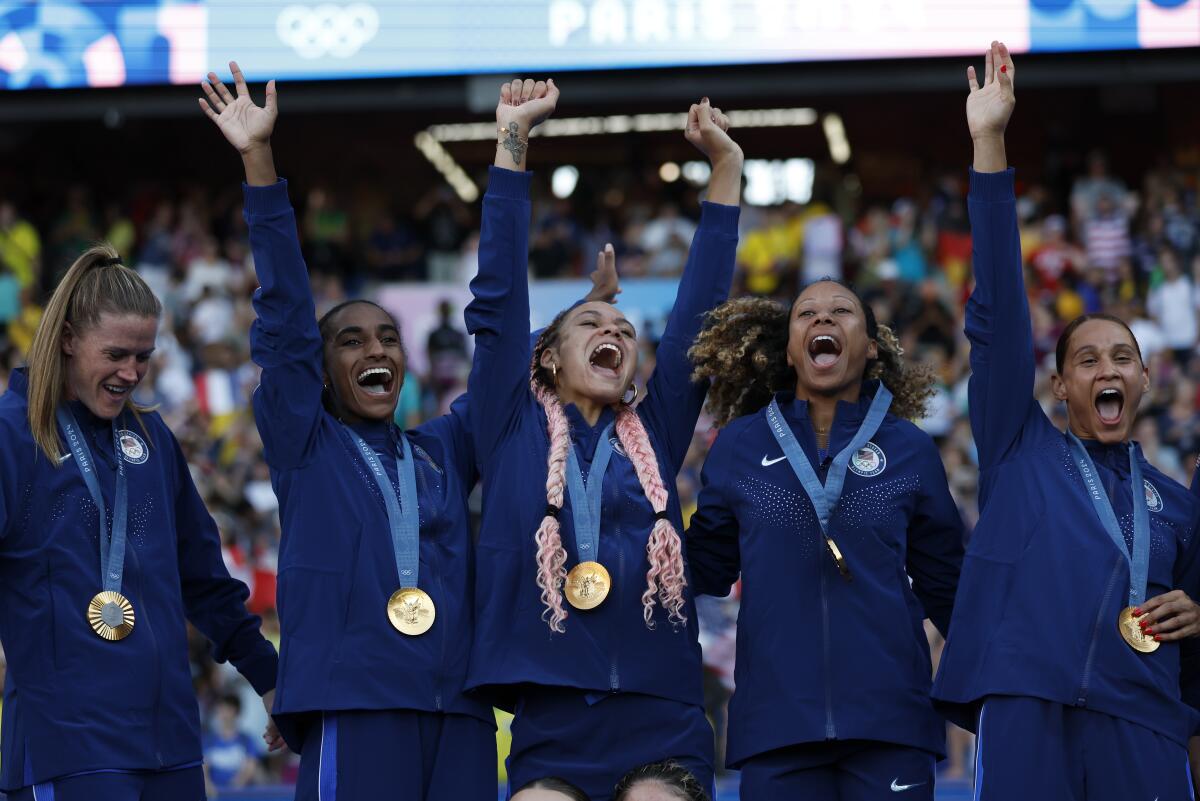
[(596, 308), (1100, 334), (361, 315), (125, 331), (825, 292)]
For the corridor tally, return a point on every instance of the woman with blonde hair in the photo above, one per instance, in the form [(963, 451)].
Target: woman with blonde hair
[(585, 624), (106, 551), (835, 510)]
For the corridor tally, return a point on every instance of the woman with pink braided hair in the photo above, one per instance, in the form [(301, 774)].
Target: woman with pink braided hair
[(585, 627)]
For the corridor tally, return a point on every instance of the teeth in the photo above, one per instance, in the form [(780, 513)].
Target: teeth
[(1108, 392), (607, 346), (825, 336), (374, 371), (112, 388)]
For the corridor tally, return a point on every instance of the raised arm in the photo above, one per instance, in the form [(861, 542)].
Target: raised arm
[(713, 547), (498, 314), (284, 339), (673, 400), (998, 323)]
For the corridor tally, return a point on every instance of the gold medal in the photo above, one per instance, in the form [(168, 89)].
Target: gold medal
[(110, 615), (1131, 632), (838, 559), (411, 611), (588, 584)]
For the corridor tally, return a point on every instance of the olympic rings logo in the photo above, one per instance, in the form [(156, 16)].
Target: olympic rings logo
[(327, 29)]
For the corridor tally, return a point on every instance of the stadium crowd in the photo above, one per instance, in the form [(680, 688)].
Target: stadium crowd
[(1103, 245)]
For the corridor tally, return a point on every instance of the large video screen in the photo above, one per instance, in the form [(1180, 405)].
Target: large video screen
[(72, 43)]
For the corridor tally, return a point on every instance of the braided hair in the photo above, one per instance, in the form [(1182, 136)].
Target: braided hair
[(665, 579), (742, 349)]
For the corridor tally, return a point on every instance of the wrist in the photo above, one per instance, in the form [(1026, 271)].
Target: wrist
[(988, 139), (256, 149), (728, 159)]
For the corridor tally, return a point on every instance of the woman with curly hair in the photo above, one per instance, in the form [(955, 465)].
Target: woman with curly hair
[(585, 627), (835, 509)]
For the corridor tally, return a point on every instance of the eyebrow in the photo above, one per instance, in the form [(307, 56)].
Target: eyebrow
[(119, 352), (835, 297), (358, 329), (620, 320)]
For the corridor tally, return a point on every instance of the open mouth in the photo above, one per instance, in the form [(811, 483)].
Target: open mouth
[(607, 359), (117, 391), (824, 351), (1109, 405), (376, 380)]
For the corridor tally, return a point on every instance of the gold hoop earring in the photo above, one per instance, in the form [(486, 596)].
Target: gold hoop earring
[(632, 400), (554, 373)]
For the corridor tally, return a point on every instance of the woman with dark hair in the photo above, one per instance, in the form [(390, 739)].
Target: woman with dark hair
[(577, 510), (659, 781), (106, 553), (1065, 646), (375, 563), (834, 509)]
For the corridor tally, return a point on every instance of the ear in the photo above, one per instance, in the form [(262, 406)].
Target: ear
[(68, 339), (872, 350), (1145, 379), (548, 359), (1060, 387)]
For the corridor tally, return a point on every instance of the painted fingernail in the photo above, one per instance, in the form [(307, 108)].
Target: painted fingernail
[(1004, 68), (1150, 631), (1157, 638), (1137, 612)]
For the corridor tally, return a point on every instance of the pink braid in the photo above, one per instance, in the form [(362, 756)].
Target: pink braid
[(551, 556), (665, 577)]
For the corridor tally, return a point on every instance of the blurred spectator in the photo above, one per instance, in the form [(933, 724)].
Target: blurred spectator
[(446, 221), (667, 239), (393, 251), (1054, 255), (20, 246), (446, 348), (1096, 184), (1106, 236), (1172, 304), (230, 755)]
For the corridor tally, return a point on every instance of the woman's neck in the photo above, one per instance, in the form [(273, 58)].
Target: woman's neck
[(822, 407), (589, 408)]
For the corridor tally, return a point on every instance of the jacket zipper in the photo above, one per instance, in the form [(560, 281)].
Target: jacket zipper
[(614, 676), (1087, 667), (422, 484), (144, 620), (830, 729)]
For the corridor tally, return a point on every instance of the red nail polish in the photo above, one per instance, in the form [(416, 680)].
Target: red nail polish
[(1137, 612), (1150, 631), (1004, 68), (1157, 638)]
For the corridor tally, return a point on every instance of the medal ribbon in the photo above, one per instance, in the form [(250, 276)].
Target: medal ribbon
[(403, 519), (1139, 560), (112, 549), (825, 497), (586, 496)]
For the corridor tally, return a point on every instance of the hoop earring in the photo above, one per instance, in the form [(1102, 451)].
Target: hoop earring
[(554, 373), (632, 400)]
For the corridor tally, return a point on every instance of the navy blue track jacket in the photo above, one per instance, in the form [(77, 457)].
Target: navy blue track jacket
[(1042, 582), (75, 703), (608, 649), (820, 658), (337, 568)]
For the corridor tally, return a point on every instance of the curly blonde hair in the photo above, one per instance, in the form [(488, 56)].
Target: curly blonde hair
[(742, 349)]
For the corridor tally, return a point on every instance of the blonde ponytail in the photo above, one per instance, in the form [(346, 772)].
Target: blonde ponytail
[(96, 284)]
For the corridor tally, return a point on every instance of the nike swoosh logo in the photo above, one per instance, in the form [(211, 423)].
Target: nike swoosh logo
[(900, 788), (768, 462)]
